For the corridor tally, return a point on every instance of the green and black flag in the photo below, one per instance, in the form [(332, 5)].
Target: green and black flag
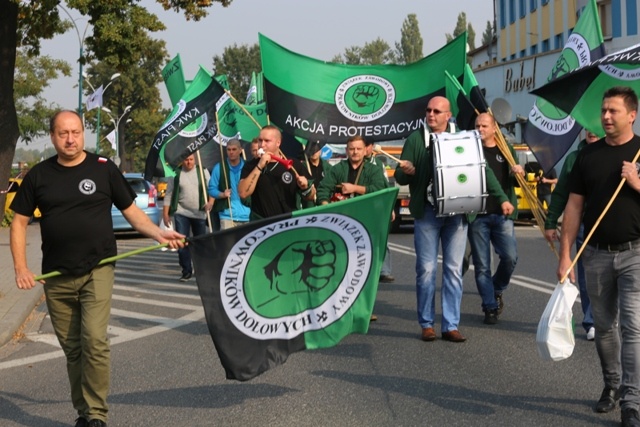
[(550, 131), (171, 143), (293, 282), (329, 102), (461, 107), (473, 91)]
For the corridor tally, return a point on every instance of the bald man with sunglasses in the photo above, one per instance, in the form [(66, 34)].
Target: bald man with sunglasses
[(416, 170)]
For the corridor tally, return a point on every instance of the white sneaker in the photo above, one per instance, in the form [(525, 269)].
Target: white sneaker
[(591, 335)]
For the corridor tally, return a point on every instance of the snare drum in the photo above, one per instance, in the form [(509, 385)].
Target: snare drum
[(459, 179)]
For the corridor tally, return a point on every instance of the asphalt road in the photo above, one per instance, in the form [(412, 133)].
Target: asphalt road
[(165, 370)]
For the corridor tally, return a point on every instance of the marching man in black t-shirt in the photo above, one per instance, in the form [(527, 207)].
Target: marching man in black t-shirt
[(74, 190), (272, 185), (612, 257), (493, 227)]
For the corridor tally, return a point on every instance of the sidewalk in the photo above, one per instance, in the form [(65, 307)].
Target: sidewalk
[(17, 304)]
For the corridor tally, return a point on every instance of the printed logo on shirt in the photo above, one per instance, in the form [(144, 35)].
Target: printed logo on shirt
[(287, 178), (87, 187), (499, 158)]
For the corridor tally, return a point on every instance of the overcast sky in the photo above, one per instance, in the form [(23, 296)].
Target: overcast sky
[(319, 29)]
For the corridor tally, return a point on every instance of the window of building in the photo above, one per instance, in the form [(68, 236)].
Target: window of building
[(512, 57), (503, 14), (604, 10), (523, 53), (534, 49), (544, 2), (523, 8), (533, 5), (558, 41), (512, 11), (545, 45)]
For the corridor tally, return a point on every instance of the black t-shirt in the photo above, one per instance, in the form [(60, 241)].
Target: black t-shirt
[(76, 226), (500, 168), (543, 190), (596, 175), (276, 189)]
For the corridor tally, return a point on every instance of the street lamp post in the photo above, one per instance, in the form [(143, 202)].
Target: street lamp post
[(113, 77), (116, 123), (81, 42)]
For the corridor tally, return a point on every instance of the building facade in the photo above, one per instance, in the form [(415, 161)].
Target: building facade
[(529, 36)]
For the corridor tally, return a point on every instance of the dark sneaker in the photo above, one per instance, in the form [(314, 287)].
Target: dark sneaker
[(630, 418), (387, 278), (81, 422), (185, 277), (491, 317), (608, 400), (500, 303), (97, 423)]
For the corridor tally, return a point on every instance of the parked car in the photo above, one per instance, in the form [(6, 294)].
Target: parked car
[(14, 184), (146, 199)]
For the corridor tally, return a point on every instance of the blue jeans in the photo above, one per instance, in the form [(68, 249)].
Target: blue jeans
[(195, 227), (587, 319), (613, 283), (483, 232), (385, 270), (428, 232)]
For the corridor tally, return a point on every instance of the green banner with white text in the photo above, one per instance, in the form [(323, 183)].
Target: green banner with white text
[(330, 102)]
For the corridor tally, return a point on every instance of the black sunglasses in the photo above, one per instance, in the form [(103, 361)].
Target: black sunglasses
[(434, 111)]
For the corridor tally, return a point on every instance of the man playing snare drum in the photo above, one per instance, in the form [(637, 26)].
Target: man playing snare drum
[(493, 227), (416, 170)]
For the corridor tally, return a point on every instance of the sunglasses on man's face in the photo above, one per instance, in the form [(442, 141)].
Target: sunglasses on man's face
[(434, 111)]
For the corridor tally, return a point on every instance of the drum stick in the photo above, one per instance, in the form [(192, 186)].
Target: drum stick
[(378, 149)]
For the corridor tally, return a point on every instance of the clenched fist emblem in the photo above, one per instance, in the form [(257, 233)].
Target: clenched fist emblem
[(366, 96), (302, 266)]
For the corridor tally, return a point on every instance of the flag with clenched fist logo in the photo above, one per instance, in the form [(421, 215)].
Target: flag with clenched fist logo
[(293, 282)]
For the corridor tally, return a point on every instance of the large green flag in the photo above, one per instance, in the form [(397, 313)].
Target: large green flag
[(297, 281), (330, 102), (550, 131)]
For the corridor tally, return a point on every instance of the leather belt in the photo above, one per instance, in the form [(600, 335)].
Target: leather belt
[(616, 247)]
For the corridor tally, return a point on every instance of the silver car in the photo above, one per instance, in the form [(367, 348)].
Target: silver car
[(146, 200)]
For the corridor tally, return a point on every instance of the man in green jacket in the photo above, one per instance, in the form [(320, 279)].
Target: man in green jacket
[(493, 227), (559, 198), (416, 170), (351, 177)]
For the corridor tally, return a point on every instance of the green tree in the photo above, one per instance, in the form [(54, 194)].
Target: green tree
[(461, 27), (488, 34), (116, 27), (237, 63), (32, 75), (377, 51), (410, 47)]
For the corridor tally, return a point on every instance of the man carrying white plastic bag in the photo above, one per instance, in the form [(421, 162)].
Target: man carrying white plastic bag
[(555, 337), (604, 194)]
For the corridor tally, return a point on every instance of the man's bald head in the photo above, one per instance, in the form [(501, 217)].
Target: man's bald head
[(438, 114)]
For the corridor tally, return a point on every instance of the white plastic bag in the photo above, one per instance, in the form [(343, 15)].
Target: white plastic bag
[(555, 338), (166, 227)]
